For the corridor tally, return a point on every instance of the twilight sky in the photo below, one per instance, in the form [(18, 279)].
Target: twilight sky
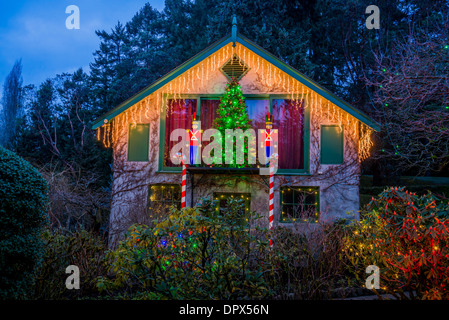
[(36, 32)]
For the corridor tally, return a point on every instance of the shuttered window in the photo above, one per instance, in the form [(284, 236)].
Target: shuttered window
[(331, 144), (138, 142), (234, 68)]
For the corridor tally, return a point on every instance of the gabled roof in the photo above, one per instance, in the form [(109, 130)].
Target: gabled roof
[(256, 49)]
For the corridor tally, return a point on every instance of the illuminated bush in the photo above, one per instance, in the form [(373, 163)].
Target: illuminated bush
[(196, 253), (407, 237)]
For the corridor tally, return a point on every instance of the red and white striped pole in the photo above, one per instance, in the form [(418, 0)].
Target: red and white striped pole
[(182, 157), (273, 159), (183, 185), (271, 205)]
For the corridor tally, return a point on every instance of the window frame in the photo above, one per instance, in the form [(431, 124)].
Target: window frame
[(317, 199), (306, 169), (161, 167), (198, 97)]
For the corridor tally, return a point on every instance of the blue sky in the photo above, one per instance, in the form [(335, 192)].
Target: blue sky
[(36, 32)]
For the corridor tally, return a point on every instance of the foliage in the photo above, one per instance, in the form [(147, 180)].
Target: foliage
[(56, 138), (306, 264), (205, 253), (62, 249), (193, 254), (23, 215), (308, 35), (407, 237), (76, 201), (410, 93), (12, 99)]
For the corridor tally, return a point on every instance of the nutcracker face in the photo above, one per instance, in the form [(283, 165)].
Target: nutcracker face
[(194, 125), (269, 126)]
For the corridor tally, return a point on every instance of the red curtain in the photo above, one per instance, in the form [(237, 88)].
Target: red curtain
[(179, 115), (288, 118), (208, 114)]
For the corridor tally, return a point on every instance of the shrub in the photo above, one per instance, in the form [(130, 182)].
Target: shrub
[(407, 237), (201, 253), (196, 253), (306, 263), (82, 249), (23, 215)]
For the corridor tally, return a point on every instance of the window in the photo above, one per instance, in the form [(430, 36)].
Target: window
[(288, 118), (299, 204), (138, 142), (208, 114), (257, 111), (222, 199), (162, 197), (331, 144), (179, 114)]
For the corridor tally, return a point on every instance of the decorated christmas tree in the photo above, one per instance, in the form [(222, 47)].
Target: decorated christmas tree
[(232, 114)]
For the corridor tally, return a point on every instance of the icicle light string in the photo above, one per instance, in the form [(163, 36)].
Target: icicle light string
[(271, 76), (105, 130), (142, 107), (147, 108)]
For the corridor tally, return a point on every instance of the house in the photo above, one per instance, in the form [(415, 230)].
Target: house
[(321, 139)]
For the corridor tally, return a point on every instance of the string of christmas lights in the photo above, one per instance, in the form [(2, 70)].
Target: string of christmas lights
[(271, 77)]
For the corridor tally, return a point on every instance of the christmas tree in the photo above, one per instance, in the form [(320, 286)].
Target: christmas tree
[(232, 114)]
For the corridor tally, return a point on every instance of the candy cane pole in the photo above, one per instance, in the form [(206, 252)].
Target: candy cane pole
[(184, 178), (273, 158), (183, 184), (271, 205)]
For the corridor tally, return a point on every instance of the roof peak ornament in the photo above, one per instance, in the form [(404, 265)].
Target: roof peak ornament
[(234, 29)]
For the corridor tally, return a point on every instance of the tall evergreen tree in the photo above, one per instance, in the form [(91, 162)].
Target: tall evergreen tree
[(12, 106), (104, 73)]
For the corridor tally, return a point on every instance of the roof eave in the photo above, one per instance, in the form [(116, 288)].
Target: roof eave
[(258, 50), (309, 82), (162, 81)]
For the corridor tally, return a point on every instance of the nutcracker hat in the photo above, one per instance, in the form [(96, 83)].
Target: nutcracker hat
[(269, 118), (194, 121)]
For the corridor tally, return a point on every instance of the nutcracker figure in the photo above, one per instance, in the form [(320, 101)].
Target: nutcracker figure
[(268, 137), (195, 139)]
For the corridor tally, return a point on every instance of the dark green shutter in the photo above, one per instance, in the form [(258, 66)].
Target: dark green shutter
[(138, 142), (331, 144)]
